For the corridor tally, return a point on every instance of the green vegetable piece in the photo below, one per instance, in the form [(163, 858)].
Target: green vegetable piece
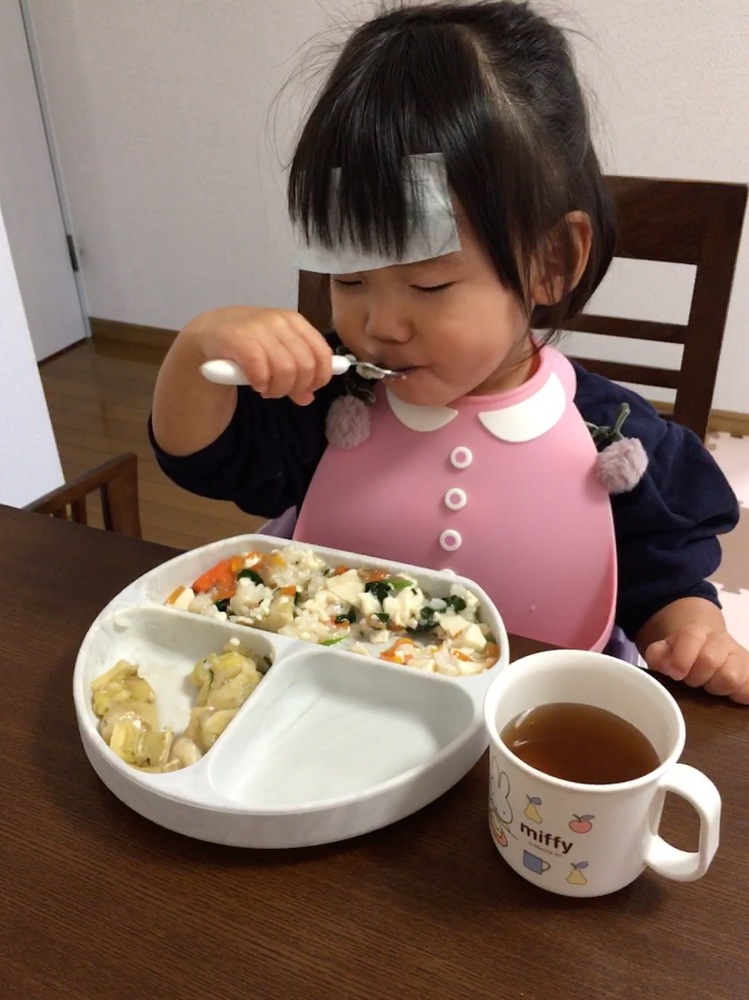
[(223, 604), (398, 583), (251, 575), (331, 642), (347, 616), (456, 603), (380, 588), (382, 617), (426, 620)]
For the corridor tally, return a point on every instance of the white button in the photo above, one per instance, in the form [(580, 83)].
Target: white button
[(461, 457), (450, 540), (456, 499)]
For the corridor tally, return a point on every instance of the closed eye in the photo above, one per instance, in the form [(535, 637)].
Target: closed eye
[(433, 288), (346, 284)]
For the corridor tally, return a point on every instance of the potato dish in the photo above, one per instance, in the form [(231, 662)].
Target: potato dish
[(125, 704)]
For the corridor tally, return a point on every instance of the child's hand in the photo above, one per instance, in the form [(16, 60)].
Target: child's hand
[(278, 350), (703, 656)]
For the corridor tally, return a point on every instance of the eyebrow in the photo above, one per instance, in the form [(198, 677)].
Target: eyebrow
[(453, 259)]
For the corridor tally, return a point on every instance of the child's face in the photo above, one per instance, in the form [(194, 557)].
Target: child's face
[(449, 317)]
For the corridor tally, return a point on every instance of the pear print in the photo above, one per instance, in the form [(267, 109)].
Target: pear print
[(576, 876), (531, 812)]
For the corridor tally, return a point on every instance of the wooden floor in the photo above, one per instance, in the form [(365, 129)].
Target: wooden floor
[(99, 398)]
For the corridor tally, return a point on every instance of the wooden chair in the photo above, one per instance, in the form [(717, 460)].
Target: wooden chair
[(117, 483), (685, 222)]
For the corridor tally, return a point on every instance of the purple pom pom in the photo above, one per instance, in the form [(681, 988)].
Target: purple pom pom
[(348, 422), (621, 466)]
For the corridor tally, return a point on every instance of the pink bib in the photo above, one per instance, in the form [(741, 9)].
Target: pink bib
[(501, 489)]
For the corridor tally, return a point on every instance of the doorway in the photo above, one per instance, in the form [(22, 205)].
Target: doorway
[(31, 195)]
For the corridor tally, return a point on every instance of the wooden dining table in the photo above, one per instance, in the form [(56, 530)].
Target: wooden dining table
[(100, 904)]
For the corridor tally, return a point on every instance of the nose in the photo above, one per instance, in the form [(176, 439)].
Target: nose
[(386, 320)]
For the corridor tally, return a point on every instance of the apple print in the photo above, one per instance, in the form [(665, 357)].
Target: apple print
[(581, 824)]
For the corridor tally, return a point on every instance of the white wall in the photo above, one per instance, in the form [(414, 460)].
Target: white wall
[(28, 196), (29, 462), (160, 110), (161, 115)]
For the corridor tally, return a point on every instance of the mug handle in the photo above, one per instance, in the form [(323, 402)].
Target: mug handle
[(700, 792)]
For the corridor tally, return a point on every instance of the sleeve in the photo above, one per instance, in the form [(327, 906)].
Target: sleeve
[(264, 460), (667, 526)]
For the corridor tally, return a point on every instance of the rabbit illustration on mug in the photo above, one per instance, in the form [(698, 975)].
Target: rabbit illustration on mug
[(500, 810)]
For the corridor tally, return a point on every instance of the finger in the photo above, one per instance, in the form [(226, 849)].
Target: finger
[(658, 655), (283, 371), (303, 399), (307, 364), (252, 358), (685, 646), (320, 348), (732, 677), (741, 694), (716, 650)]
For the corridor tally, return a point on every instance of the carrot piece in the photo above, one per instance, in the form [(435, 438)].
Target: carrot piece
[(491, 651), (392, 652), (175, 594), (289, 591), (339, 570), (373, 575), (219, 578), (236, 564)]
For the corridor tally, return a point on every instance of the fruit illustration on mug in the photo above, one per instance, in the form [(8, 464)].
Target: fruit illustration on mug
[(576, 876), (497, 827), (581, 824), (531, 812)]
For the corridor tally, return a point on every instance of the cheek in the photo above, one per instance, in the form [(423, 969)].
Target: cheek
[(347, 318)]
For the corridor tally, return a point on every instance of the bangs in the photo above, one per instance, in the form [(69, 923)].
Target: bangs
[(423, 88)]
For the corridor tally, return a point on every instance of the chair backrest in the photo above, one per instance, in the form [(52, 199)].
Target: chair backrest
[(685, 222), (117, 483)]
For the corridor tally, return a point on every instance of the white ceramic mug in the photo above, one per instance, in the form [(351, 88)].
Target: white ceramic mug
[(588, 840)]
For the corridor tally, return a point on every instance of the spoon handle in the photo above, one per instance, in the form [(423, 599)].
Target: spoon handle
[(229, 373)]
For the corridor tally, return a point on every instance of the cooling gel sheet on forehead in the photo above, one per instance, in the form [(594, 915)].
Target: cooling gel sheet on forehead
[(433, 231)]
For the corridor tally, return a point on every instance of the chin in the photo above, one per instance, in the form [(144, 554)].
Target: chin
[(423, 389)]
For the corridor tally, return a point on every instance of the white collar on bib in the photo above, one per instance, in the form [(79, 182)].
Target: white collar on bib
[(515, 423)]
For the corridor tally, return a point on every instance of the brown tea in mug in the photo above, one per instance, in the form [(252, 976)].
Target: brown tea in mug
[(580, 743)]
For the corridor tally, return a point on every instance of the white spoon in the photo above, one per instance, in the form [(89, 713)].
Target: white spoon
[(229, 373)]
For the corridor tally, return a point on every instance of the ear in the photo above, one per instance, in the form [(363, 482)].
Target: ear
[(561, 260), (504, 784)]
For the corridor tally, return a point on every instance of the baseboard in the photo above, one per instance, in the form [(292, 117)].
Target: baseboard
[(729, 422), (114, 331), (720, 421)]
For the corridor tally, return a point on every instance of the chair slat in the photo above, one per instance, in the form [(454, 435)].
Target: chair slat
[(117, 482)]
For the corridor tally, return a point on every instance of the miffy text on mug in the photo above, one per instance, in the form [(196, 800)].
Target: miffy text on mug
[(546, 839)]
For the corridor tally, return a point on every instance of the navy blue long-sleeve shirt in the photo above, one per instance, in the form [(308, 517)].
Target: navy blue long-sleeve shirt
[(666, 527)]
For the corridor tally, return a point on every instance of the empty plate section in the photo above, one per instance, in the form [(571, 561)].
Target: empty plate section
[(328, 726)]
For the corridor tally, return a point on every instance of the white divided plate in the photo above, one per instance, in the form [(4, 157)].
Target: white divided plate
[(331, 744)]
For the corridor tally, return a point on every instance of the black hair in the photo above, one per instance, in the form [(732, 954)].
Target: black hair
[(491, 86)]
